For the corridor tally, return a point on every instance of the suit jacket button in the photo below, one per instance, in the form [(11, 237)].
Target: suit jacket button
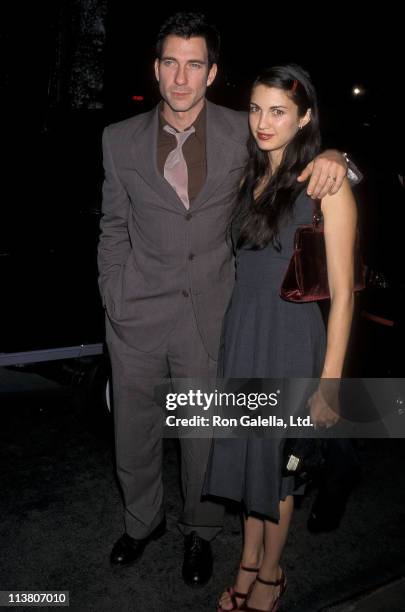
[(185, 293), (191, 256), (188, 216)]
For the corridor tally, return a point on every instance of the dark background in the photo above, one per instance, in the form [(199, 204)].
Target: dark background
[(70, 67)]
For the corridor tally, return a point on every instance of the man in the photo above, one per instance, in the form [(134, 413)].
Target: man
[(166, 274)]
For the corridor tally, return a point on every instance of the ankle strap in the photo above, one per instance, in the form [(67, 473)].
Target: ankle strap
[(271, 582), (249, 569)]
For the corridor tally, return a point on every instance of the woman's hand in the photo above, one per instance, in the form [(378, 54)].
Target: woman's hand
[(324, 405), (327, 172)]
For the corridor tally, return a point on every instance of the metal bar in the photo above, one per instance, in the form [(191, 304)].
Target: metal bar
[(68, 352)]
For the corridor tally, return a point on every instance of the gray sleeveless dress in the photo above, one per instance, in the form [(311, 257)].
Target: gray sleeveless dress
[(264, 336)]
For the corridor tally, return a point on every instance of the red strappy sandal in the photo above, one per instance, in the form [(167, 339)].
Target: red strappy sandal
[(237, 594), (281, 582)]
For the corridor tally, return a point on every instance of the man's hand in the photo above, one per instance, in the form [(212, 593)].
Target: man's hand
[(327, 172)]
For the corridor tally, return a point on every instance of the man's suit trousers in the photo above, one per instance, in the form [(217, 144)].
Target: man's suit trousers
[(138, 429)]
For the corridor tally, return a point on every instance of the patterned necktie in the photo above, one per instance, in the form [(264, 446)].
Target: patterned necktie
[(175, 168)]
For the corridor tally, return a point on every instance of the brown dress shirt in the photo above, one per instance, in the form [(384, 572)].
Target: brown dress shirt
[(194, 152)]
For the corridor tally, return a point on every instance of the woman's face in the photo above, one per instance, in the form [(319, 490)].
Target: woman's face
[(273, 119)]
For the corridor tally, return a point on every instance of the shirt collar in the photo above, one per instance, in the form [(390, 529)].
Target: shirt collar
[(199, 123)]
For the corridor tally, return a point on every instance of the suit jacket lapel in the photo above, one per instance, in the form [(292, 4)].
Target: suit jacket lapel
[(145, 158), (220, 153)]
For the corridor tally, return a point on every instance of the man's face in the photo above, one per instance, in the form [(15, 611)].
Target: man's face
[(182, 72)]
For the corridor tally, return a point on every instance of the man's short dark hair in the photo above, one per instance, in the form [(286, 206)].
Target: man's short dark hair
[(187, 25)]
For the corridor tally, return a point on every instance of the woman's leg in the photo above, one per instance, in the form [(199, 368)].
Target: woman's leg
[(275, 537), (252, 556)]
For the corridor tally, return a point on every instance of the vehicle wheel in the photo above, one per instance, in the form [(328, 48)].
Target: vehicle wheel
[(93, 397)]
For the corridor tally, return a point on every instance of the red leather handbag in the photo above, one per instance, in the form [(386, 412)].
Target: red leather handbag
[(306, 279)]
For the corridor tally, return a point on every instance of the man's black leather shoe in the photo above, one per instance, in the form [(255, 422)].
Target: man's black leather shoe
[(127, 550), (197, 564)]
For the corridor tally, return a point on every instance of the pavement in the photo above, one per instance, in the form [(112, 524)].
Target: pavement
[(61, 512), (389, 597)]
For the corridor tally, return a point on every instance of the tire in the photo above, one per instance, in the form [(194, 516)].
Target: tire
[(93, 397)]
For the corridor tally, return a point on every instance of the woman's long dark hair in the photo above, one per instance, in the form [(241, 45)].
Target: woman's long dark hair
[(259, 220)]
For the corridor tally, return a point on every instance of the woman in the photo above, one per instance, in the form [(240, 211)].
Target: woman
[(265, 336)]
